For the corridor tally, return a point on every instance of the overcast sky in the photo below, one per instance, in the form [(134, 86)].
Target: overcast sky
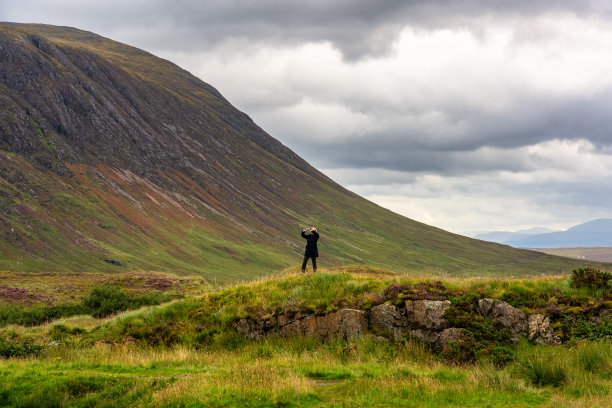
[(463, 114)]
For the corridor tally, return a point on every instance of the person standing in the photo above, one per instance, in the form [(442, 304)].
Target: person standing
[(311, 248)]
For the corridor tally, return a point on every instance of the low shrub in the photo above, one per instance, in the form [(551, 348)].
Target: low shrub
[(590, 278), (102, 301), (26, 348), (106, 300), (17, 314), (502, 355), (482, 338), (61, 331), (582, 328)]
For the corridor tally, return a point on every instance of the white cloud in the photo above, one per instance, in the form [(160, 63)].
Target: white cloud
[(565, 183)]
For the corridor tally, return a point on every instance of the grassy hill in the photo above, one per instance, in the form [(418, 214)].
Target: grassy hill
[(112, 159)]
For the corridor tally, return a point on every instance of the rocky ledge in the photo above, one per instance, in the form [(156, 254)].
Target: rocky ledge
[(421, 319)]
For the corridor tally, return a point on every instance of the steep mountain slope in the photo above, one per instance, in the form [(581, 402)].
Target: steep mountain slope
[(596, 233), (108, 153)]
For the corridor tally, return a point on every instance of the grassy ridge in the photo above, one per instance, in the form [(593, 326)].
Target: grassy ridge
[(187, 353)]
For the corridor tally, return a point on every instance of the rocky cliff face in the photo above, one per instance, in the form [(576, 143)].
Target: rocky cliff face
[(126, 109), (109, 153)]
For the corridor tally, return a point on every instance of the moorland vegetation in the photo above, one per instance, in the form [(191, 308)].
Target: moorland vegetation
[(188, 352)]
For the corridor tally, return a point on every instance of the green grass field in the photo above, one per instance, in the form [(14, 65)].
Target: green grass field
[(186, 353), (305, 373)]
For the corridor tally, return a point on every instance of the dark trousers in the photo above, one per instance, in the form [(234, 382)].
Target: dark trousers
[(314, 263)]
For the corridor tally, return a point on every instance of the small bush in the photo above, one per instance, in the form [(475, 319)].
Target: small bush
[(590, 278), (542, 370), (106, 300), (502, 355), (102, 301), (481, 336), (12, 349), (17, 314), (582, 328), (61, 331)]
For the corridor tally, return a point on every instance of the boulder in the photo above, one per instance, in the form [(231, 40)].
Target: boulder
[(448, 336), (426, 336), (436, 338), (250, 328), (427, 314), (540, 330), (504, 315), (389, 320), (345, 323)]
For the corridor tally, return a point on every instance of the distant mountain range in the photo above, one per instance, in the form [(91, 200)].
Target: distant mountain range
[(502, 237), (596, 233)]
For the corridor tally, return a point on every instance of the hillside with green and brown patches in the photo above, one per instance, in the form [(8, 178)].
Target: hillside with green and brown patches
[(112, 159)]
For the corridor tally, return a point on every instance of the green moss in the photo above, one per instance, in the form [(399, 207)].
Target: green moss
[(41, 134)]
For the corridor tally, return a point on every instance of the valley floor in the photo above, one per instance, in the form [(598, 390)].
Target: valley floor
[(599, 254)]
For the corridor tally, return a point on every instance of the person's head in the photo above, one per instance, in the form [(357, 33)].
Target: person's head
[(313, 229)]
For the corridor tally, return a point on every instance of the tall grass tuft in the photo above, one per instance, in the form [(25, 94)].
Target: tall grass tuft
[(593, 356), (544, 369)]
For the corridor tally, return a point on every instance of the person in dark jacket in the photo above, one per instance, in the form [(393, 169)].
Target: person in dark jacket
[(311, 248)]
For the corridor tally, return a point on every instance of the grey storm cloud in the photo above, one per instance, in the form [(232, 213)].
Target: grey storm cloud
[(358, 28), (463, 149)]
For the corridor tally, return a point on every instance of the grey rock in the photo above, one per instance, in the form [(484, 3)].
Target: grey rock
[(347, 323), (504, 315), (540, 330), (250, 328), (388, 319), (448, 336), (427, 314), (426, 336)]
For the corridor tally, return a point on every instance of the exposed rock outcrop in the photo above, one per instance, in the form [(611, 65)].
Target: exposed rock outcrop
[(345, 323), (389, 320), (506, 316), (448, 336), (421, 319), (540, 330), (427, 314), (426, 336)]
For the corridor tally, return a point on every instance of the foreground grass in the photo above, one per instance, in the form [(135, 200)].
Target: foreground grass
[(303, 373), (187, 353)]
